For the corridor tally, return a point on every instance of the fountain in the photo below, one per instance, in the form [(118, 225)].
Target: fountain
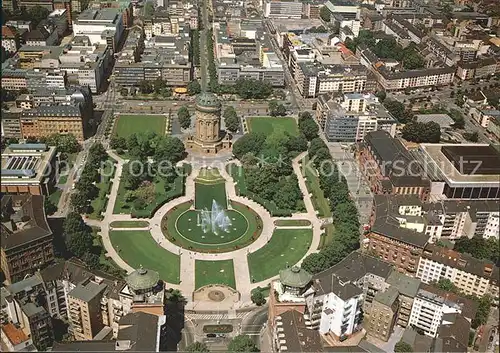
[(215, 220)]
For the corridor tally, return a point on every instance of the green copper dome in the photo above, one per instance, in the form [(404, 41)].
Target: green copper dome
[(207, 100), (142, 279), (295, 277)]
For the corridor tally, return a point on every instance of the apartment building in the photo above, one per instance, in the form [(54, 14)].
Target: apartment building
[(390, 168), (51, 79), (350, 117), (407, 288), (433, 306), (45, 120), (290, 334), (467, 171), (313, 78), (383, 314), (470, 275), (26, 315), (26, 236), (11, 126), (481, 68), (29, 4), (10, 39), (13, 79), (283, 9), (28, 169), (138, 331)]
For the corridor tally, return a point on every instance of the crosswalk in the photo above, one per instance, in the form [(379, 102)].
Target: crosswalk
[(225, 316)]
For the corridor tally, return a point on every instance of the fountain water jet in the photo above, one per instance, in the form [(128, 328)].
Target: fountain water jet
[(215, 220)]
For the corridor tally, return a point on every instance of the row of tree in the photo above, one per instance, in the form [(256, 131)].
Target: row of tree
[(345, 214), (157, 86), (195, 47), (240, 343), (86, 189)]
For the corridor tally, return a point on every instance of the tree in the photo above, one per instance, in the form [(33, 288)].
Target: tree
[(37, 14), (422, 132), (193, 87), (49, 206), (381, 95), (231, 119), (258, 297), (397, 110), (92, 261), (483, 311), (97, 154), (447, 285), (251, 142), (315, 262), (253, 89), (242, 343), (79, 242), (66, 143), (471, 136), (308, 127), (316, 144), (133, 174), (325, 14), (480, 248), (276, 109), (145, 86), (80, 202), (403, 347), (118, 142), (174, 295), (184, 117), (197, 347)]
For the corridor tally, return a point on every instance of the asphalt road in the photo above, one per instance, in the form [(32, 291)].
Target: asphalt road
[(203, 47), (253, 323)]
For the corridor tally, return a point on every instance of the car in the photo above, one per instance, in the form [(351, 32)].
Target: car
[(211, 335)]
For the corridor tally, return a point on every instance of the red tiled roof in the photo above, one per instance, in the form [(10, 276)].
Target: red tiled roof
[(14, 334), (8, 32)]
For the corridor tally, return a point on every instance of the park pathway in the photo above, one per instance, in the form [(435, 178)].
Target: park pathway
[(188, 258)]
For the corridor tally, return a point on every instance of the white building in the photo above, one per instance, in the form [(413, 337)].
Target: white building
[(470, 275), (101, 26), (333, 306), (431, 305), (282, 9)]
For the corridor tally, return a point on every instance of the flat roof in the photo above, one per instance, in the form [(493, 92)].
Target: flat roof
[(14, 334), (25, 163), (436, 160), (477, 160)]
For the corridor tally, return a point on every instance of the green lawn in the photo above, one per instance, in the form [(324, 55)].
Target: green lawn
[(286, 248), (122, 206), (129, 224), (269, 125), (104, 186), (55, 196), (138, 248), (206, 193), (214, 272), (320, 202), (173, 223), (126, 125), (63, 179), (209, 175), (292, 222)]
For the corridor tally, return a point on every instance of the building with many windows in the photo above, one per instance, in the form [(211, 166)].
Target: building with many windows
[(26, 236), (101, 26), (28, 169), (470, 275)]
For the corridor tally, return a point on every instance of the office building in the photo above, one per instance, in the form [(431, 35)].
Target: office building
[(469, 171), (11, 126), (49, 119), (28, 169), (350, 117), (102, 26)]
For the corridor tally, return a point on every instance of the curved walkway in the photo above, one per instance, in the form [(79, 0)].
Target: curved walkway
[(188, 258)]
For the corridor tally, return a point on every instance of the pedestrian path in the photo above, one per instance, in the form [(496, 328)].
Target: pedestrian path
[(188, 258)]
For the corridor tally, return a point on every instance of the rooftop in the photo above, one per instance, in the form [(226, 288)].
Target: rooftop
[(87, 291), (27, 220), (387, 297), (408, 286), (295, 277), (141, 329), (142, 279), (14, 334), (482, 159), (298, 338)]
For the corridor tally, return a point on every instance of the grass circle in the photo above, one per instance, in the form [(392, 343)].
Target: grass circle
[(175, 226), (187, 225)]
